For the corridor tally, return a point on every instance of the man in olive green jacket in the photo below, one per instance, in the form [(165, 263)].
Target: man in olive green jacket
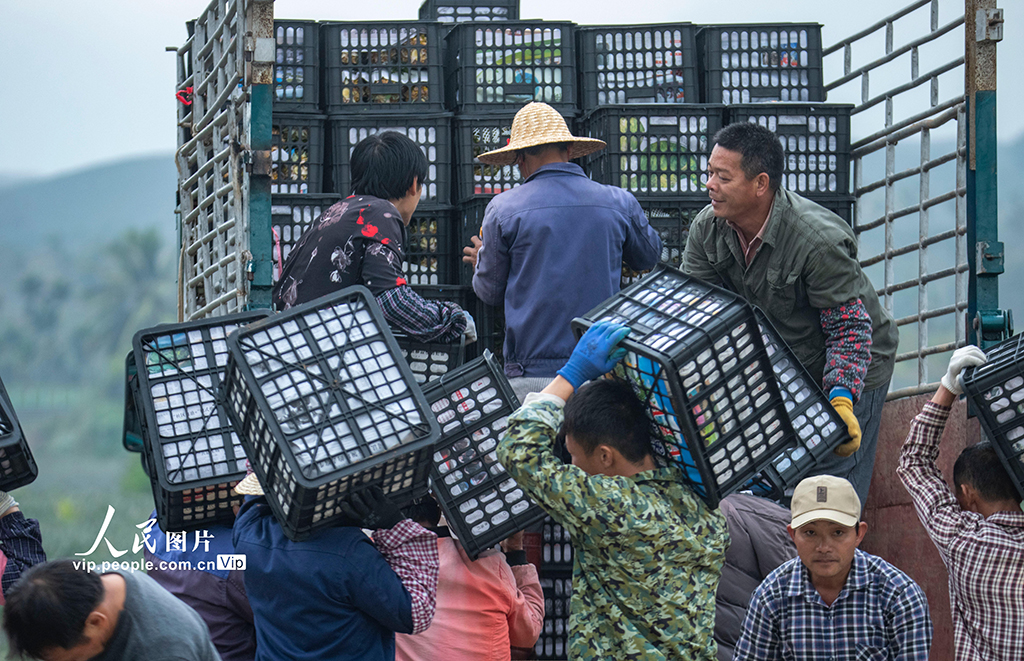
[(797, 261)]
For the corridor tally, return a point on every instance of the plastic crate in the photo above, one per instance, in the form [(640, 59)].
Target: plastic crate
[(653, 149), (291, 216), (326, 406), (430, 360), (490, 321), (193, 454), (481, 502), (654, 63), (17, 466), (816, 139), (697, 360), (554, 638), (429, 258), (131, 437), (497, 68), (297, 66), (382, 66), (761, 63), (819, 429), (995, 389), (557, 552), (431, 132), (461, 11), (671, 220), (297, 154)]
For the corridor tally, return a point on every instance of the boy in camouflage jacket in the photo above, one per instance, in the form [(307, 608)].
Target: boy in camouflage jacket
[(649, 553)]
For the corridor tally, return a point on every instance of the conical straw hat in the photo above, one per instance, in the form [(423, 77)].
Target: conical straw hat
[(539, 124)]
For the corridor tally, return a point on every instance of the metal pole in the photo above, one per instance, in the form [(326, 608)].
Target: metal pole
[(260, 46), (988, 324)]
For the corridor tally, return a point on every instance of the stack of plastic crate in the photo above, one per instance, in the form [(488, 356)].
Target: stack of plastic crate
[(17, 467), (640, 94)]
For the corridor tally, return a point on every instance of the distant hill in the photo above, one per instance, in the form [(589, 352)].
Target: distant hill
[(90, 206)]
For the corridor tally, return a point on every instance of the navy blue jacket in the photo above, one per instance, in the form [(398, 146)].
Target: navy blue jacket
[(332, 597), (552, 250)]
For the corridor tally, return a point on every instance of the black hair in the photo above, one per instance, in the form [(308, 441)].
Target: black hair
[(538, 149), (759, 147), (424, 511), (384, 165), (979, 466), (608, 412), (48, 607)]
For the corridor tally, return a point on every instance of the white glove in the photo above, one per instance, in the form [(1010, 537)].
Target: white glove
[(6, 502), (969, 356), (470, 331)]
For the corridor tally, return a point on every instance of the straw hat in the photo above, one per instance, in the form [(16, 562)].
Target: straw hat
[(250, 484), (539, 124)]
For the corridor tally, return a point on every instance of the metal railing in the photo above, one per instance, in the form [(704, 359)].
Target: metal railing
[(213, 132), (913, 239)]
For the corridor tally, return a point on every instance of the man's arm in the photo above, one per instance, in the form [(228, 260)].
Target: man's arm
[(411, 551), (428, 321), (910, 633), (642, 248), (760, 639), (22, 544), (847, 330), (526, 611), (492, 262)]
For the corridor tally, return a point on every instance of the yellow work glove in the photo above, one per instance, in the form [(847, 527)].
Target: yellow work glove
[(844, 407)]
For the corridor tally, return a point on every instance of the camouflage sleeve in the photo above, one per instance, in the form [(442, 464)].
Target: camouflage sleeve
[(568, 494)]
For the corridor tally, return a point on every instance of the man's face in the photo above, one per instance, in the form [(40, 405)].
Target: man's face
[(732, 194), (589, 463), (826, 548)]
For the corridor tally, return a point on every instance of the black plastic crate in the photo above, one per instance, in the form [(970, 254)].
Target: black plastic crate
[(291, 216), (671, 220), (696, 358), (430, 360), (996, 389), (759, 63), (193, 453), (461, 11), (554, 638), (816, 139), (432, 132), (557, 551), (429, 258), (382, 66), (654, 63), (17, 466), (481, 502), (653, 149), (325, 406), (297, 66), (503, 66), (297, 154), (131, 437), (819, 429)]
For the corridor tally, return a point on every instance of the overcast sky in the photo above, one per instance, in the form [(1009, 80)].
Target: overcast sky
[(89, 82)]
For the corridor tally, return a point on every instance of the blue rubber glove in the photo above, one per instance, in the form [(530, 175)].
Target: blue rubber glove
[(596, 354)]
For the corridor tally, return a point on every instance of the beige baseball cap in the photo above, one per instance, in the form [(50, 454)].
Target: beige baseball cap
[(825, 497)]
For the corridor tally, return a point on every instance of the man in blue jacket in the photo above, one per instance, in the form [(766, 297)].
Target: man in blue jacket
[(553, 248)]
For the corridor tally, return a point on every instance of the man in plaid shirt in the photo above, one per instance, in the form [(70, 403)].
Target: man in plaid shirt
[(978, 528), (834, 601)]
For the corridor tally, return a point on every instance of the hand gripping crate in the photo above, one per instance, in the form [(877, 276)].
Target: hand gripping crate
[(382, 67), (481, 502), (500, 67), (671, 220), (819, 429), (17, 466), (326, 406), (761, 63), (431, 132), (193, 455), (554, 638), (432, 360), (637, 64), (815, 138), (297, 66), (696, 358), (291, 216), (654, 151), (296, 154), (996, 389), (461, 11)]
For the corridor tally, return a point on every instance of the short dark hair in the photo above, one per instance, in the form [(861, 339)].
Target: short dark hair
[(48, 607), (424, 510), (979, 466), (539, 149), (384, 165), (608, 412), (759, 147)]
